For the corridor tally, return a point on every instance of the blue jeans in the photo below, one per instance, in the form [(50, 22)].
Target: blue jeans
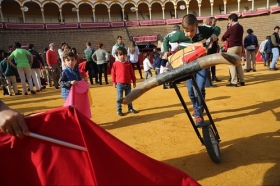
[(263, 57), (275, 55), (200, 78), (148, 72), (126, 88)]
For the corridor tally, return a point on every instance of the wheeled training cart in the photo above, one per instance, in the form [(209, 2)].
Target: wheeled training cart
[(210, 136)]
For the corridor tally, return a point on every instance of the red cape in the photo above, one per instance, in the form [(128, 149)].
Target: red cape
[(107, 161)]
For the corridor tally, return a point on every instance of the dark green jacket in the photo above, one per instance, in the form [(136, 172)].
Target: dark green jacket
[(6, 68), (179, 36)]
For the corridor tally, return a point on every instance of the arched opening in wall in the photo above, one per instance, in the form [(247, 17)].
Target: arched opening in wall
[(181, 9), (218, 7), (33, 13), (11, 15), (193, 8), (116, 13), (69, 13), (156, 12), (51, 13), (205, 8), (143, 11), (129, 12), (169, 12), (85, 12)]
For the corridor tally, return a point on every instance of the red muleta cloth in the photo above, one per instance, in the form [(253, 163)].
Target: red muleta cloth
[(107, 161), (198, 52)]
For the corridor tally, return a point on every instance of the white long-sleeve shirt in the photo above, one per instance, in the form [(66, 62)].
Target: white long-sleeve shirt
[(147, 64), (262, 45), (133, 58)]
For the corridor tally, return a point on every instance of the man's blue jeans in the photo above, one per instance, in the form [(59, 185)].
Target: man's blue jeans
[(275, 55), (126, 88), (263, 57), (200, 78)]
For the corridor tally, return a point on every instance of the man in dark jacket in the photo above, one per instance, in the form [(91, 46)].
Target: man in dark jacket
[(35, 68), (250, 45), (275, 50), (233, 36)]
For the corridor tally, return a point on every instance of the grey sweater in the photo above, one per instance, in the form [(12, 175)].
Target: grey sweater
[(100, 56)]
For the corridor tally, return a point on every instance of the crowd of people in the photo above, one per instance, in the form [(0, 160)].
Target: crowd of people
[(64, 69)]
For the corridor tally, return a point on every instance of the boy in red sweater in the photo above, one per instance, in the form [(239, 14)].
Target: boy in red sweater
[(122, 75)]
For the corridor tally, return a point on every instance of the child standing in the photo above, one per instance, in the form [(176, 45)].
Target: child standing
[(70, 75), (147, 66), (122, 75), (9, 74)]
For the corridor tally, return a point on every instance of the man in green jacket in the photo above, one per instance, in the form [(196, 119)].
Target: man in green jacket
[(192, 33)]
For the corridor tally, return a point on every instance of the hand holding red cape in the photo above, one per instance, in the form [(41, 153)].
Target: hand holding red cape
[(107, 161)]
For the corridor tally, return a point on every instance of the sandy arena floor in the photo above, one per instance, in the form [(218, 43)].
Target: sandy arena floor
[(247, 119)]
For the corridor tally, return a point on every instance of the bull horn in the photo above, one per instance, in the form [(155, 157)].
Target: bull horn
[(180, 72)]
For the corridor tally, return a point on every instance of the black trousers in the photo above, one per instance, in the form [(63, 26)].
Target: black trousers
[(91, 68), (138, 67), (102, 68)]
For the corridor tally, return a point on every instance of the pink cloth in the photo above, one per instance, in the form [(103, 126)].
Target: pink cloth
[(78, 98)]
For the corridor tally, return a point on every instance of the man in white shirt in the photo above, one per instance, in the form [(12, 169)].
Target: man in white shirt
[(261, 49)]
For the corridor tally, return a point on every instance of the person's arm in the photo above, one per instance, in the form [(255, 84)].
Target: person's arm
[(11, 121), (48, 58), (165, 43), (226, 35), (257, 42), (216, 30), (9, 59), (212, 32), (114, 52), (113, 74), (63, 81), (11, 63), (149, 63), (265, 47), (245, 42), (137, 50), (31, 59), (93, 57)]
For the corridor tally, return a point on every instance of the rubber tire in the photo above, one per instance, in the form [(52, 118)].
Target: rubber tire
[(211, 143)]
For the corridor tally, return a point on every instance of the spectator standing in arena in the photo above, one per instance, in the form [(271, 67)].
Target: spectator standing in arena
[(23, 66), (133, 53), (233, 36), (268, 51), (8, 71), (118, 44), (46, 69), (261, 50), (214, 49), (60, 54), (35, 68), (275, 50), (250, 45), (53, 64), (91, 66), (100, 58)]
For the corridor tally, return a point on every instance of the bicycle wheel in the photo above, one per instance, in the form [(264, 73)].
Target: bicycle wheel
[(211, 143)]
